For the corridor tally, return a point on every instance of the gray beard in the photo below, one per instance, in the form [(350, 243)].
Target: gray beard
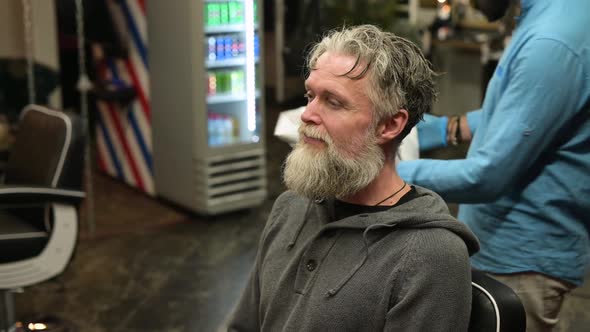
[(322, 173)]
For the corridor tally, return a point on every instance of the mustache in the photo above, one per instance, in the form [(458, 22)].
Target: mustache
[(314, 132)]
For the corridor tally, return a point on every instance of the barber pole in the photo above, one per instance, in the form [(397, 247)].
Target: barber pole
[(123, 132)]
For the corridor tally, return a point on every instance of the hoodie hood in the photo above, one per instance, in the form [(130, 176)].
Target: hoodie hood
[(426, 210)]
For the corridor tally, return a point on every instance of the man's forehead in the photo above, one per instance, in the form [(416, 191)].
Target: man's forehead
[(340, 64), (326, 81)]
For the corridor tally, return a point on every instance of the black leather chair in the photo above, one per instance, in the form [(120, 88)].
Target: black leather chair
[(495, 307), (38, 201)]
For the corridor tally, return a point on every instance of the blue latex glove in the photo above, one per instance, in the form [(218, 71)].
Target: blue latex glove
[(432, 132)]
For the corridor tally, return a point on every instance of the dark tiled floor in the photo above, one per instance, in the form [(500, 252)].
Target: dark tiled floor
[(182, 275)]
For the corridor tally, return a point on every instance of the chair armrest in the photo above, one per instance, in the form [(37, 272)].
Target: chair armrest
[(39, 195)]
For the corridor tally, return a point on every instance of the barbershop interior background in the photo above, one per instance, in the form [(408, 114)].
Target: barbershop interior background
[(178, 102)]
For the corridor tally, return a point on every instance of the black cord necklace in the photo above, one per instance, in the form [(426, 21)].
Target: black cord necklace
[(395, 193)]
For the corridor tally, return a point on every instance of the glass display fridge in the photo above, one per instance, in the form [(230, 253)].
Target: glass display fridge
[(207, 103)]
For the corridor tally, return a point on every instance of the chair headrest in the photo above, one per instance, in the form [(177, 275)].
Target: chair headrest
[(48, 151)]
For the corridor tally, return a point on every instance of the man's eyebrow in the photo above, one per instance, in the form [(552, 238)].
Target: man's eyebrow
[(328, 92), (331, 93)]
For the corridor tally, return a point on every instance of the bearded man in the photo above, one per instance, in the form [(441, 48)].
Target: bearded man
[(351, 246)]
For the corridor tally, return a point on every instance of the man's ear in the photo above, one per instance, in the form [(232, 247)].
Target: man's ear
[(389, 128)]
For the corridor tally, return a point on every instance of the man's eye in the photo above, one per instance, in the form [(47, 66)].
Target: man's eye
[(334, 103), (308, 96)]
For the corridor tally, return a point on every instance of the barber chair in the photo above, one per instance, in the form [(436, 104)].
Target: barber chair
[(495, 307), (38, 203)]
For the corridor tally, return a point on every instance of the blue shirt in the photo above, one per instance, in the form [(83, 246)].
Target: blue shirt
[(526, 179)]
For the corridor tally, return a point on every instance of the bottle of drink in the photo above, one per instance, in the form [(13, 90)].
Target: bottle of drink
[(216, 130), (232, 11), (256, 45), (235, 51), (257, 77), (222, 81), (211, 48), (227, 40), (210, 129), (211, 83), (226, 129), (219, 48), (236, 129), (207, 14), (241, 46), (237, 84), (239, 12), (255, 12), (231, 129)]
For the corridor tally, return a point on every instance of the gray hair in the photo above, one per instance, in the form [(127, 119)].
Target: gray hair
[(399, 75)]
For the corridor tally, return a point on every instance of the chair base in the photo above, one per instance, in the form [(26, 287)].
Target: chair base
[(6, 310), (45, 323)]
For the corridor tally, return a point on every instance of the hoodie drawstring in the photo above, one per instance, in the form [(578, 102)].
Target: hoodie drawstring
[(349, 276)]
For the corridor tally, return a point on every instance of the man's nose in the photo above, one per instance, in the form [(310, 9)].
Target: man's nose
[(310, 114)]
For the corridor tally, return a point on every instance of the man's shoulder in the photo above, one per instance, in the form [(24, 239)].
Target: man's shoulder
[(427, 201), (429, 241), (288, 203), (421, 191), (430, 249), (289, 198)]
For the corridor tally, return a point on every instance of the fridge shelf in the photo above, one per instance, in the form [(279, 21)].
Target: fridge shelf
[(228, 62), (228, 98), (227, 28), (225, 98)]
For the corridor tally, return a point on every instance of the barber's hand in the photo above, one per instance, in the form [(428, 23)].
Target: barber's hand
[(458, 130), (466, 135)]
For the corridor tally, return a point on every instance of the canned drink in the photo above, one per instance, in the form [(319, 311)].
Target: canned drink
[(213, 14), (223, 13)]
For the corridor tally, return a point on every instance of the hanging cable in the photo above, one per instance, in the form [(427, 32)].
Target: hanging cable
[(29, 53), (30, 57), (84, 85)]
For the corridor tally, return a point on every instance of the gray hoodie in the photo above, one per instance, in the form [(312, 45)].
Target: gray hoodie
[(403, 269)]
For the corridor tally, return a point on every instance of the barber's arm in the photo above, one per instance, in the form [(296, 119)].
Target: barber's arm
[(541, 97)]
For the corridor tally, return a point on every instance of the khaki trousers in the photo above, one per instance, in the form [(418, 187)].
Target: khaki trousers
[(542, 297)]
